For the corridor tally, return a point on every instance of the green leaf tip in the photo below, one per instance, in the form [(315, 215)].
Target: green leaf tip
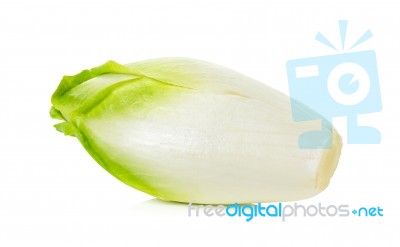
[(67, 128), (56, 114), (69, 82)]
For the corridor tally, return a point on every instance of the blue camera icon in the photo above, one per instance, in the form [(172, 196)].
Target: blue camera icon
[(337, 85)]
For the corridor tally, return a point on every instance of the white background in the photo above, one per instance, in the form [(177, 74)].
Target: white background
[(53, 194)]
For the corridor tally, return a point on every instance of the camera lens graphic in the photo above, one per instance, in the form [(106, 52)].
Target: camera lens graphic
[(348, 83)]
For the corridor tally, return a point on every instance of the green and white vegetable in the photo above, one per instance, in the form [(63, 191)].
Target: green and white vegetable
[(186, 130)]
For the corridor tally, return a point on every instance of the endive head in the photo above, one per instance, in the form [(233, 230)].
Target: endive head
[(187, 130)]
